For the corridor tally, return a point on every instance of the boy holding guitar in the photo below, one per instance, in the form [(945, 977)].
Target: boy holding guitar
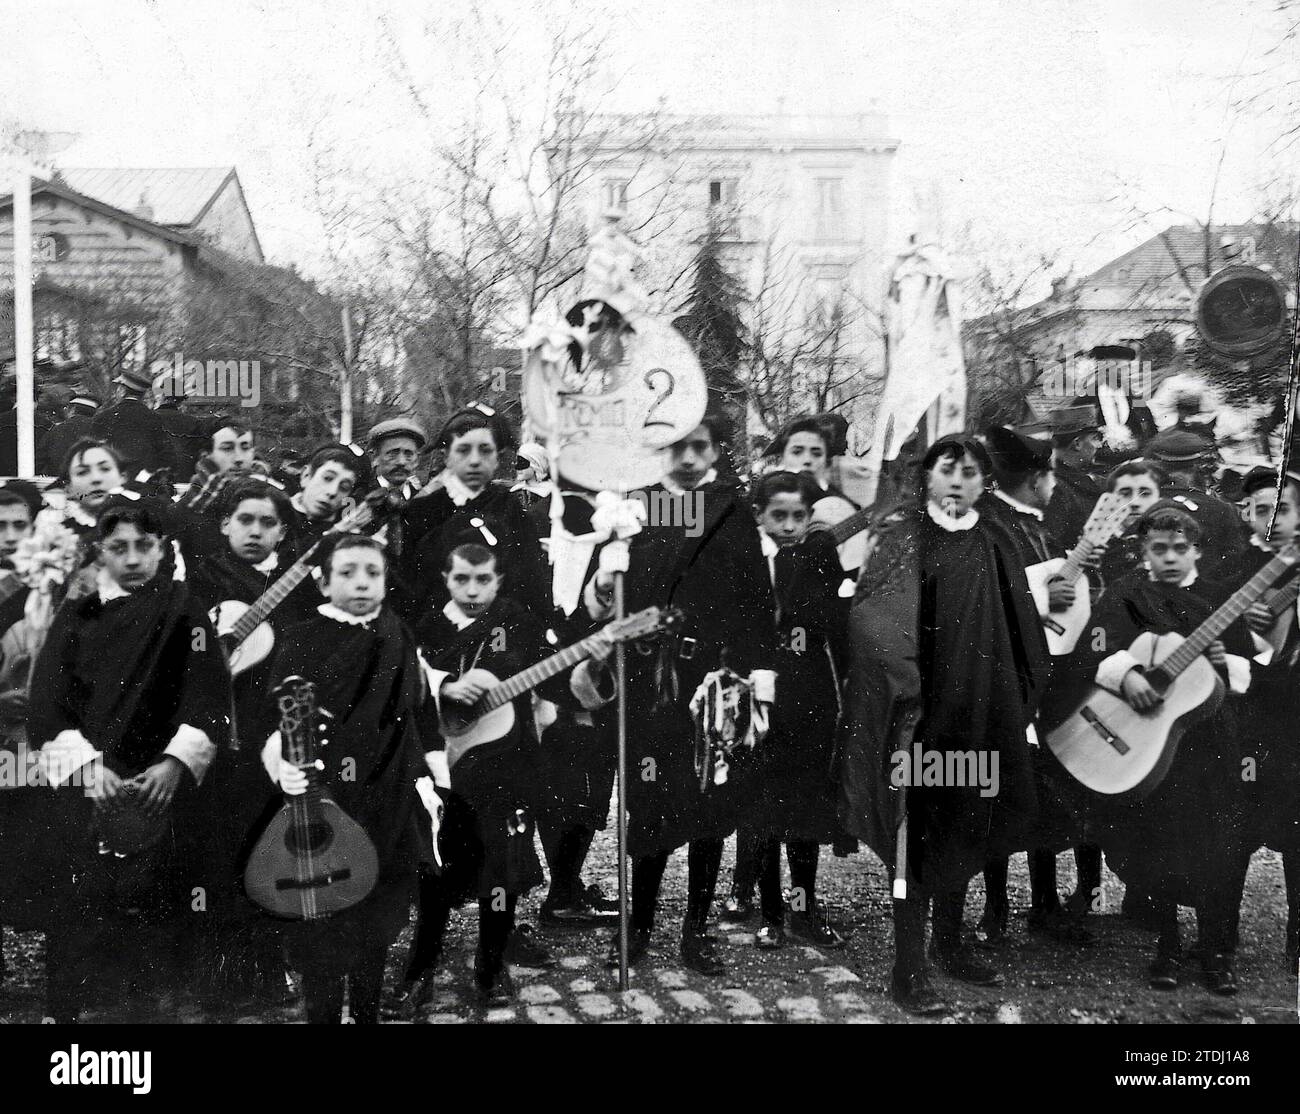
[(1272, 741), (1176, 838), (487, 777)]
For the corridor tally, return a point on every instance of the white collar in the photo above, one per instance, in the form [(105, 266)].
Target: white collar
[(1186, 582), (341, 616), (1259, 543), (1016, 504), (108, 588), (269, 563), (674, 488), (456, 489), (78, 513), (952, 525), (452, 610), (767, 544)]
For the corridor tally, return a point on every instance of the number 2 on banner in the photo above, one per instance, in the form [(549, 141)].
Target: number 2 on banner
[(661, 383)]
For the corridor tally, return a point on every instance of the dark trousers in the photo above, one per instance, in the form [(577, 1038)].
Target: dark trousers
[(496, 920), (909, 930), (803, 856), (111, 959), (703, 860), (565, 847), (322, 989), (1043, 897)]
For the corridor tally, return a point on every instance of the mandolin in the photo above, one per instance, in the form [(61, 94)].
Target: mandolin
[(313, 859), (491, 717), (1118, 751)]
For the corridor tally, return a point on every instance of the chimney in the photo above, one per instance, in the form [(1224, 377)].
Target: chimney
[(144, 210)]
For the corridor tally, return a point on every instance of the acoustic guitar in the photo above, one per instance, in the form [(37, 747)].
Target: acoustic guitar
[(492, 716), (245, 635), (313, 859), (1118, 751), (1109, 518)]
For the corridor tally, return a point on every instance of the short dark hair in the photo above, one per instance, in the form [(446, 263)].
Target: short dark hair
[(472, 553), (719, 427), (10, 498), (351, 541), (1171, 519), (237, 493), (799, 425), (467, 422), (216, 425), (142, 515), (335, 454), (955, 446), (1138, 468), (84, 445), (771, 484)]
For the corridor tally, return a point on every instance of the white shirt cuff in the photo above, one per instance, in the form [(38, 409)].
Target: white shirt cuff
[(192, 747), (1238, 673), (436, 760), (1263, 649), (435, 678), (271, 751), (1112, 670), (585, 684), (64, 755)]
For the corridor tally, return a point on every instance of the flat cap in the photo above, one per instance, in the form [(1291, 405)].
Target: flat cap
[(1179, 446), (397, 427)]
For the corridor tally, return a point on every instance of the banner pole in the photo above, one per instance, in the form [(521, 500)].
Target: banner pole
[(620, 669)]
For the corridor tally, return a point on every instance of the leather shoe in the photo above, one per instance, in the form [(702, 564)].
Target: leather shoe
[(498, 991), (736, 909), (960, 963), (913, 994), (523, 949), (1219, 975), (699, 955), (1165, 972), (638, 943)]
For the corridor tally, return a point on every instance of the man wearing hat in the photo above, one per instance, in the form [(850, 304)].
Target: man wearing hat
[(1075, 440), (54, 446), (133, 429), (395, 447), (1183, 454)]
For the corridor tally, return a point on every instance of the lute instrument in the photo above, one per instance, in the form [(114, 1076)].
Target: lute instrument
[(313, 859)]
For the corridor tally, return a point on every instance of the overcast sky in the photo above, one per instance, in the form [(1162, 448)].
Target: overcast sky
[(1042, 124)]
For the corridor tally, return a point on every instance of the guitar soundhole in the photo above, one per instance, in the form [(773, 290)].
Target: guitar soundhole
[(309, 841)]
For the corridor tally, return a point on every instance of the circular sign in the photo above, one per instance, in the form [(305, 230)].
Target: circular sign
[(1241, 312), (610, 405)]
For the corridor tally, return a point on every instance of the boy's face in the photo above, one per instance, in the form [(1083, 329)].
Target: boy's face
[(1261, 510), (232, 452), (91, 476), (805, 452), (1141, 491), (962, 481), (472, 458), (325, 489), (253, 530), (692, 457), (15, 524), (785, 518), (355, 583), (130, 556), (1169, 555), (473, 588), (1040, 490)]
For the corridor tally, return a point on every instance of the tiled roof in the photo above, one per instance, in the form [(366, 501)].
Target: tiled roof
[(177, 196), (1180, 251)]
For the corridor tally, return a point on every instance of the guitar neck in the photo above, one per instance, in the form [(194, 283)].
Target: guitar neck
[(275, 595), (1284, 597), (1224, 617), (530, 678), (1073, 567), (854, 524)]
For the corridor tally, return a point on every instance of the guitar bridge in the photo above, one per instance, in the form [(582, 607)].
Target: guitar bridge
[(1121, 747)]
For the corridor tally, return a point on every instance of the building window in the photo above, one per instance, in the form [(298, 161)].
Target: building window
[(722, 191), (131, 338), (830, 209), (56, 338), (616, 193)]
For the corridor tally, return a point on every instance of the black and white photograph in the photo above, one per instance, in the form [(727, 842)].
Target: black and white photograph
[(547, 512)]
